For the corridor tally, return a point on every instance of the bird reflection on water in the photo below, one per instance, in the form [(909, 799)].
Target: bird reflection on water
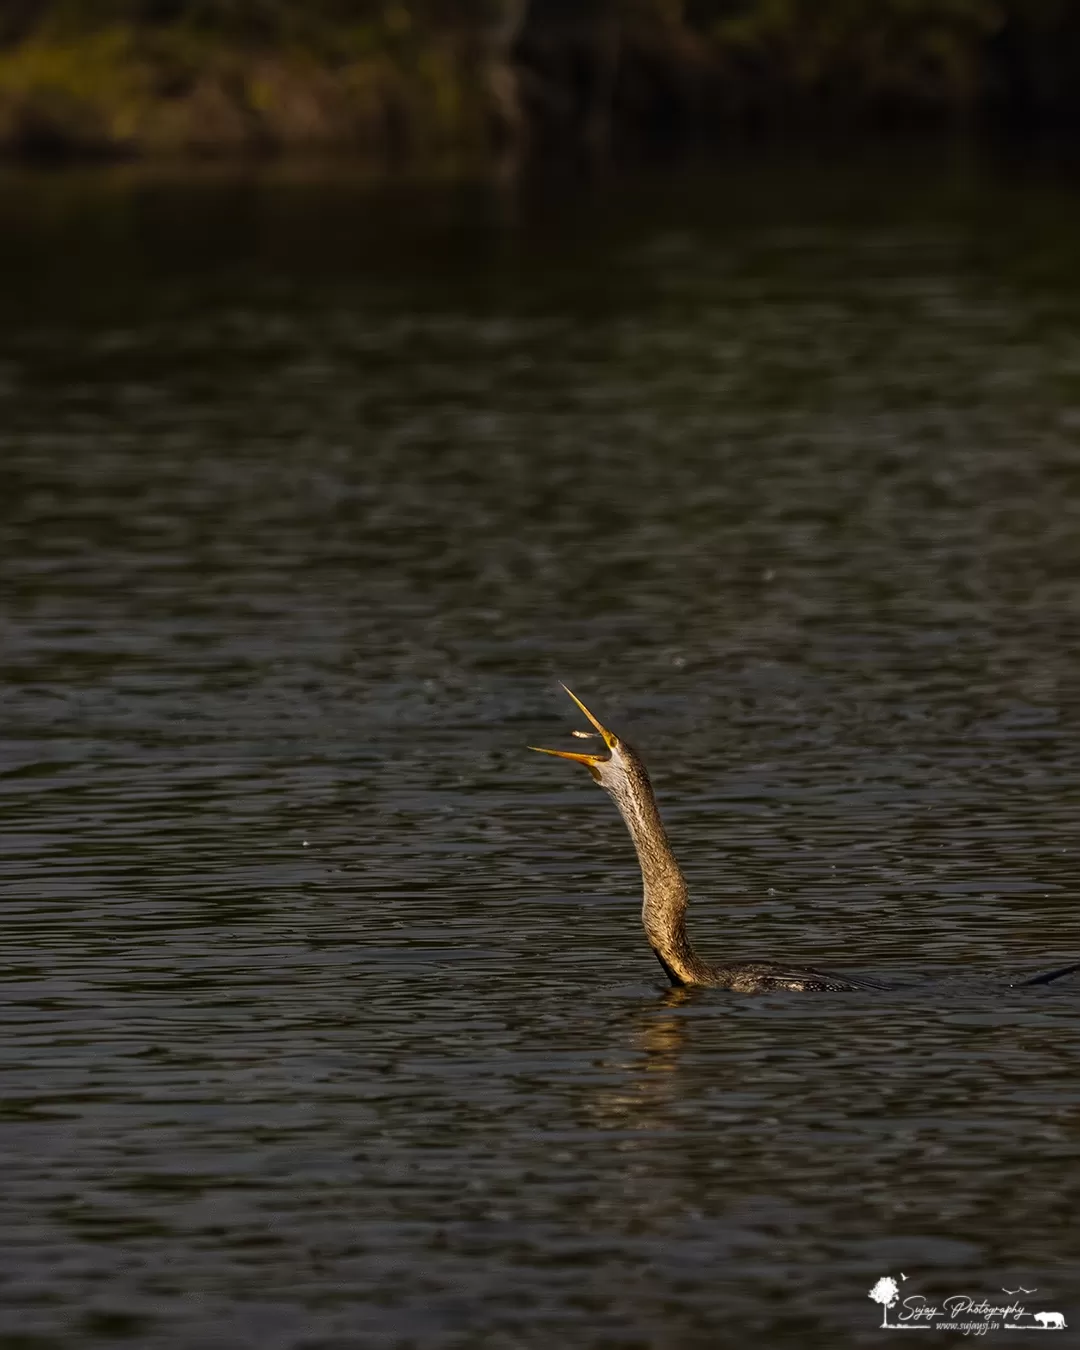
[(663, 912), (642, 1099)]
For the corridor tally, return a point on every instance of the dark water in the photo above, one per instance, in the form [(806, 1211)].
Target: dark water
[(327, 1018)]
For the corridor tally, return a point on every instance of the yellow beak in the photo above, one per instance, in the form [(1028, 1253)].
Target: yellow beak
[(610, 740)]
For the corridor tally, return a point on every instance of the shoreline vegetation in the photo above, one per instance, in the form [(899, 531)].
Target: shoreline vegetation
[(499, 78)]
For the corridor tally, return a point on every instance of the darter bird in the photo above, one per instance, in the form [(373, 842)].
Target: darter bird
[(663, 911)]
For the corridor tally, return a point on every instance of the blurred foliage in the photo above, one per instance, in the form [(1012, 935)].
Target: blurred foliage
[(133, 75), (918, 48), (120, 76), (693, 67), (251, 21)]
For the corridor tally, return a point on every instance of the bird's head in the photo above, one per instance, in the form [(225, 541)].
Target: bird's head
[(619, 771)]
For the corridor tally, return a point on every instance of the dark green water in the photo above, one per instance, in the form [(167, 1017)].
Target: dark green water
[(327, 1020)]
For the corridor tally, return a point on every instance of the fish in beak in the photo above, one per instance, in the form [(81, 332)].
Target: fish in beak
[(609, 738)]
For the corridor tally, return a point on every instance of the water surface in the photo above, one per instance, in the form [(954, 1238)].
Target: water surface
[(327, 1018)]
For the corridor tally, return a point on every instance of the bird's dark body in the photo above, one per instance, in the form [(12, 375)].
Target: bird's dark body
[(761, 977)]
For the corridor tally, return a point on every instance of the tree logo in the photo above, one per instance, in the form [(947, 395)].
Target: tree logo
[(885, 1292)]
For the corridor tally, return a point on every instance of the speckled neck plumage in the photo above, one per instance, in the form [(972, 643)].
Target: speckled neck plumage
[(663, 909)]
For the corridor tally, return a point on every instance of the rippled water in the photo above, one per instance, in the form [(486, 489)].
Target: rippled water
[(327, 1019)]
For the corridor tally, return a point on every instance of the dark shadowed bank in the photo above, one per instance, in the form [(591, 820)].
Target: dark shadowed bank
[(482, 77)]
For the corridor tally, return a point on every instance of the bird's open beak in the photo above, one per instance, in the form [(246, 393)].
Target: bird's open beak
[(610, 740)]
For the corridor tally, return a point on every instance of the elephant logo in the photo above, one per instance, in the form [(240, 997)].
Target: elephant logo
[(1050, 1321)]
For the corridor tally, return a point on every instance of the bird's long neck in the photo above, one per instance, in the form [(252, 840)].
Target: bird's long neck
[(663, 909)]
